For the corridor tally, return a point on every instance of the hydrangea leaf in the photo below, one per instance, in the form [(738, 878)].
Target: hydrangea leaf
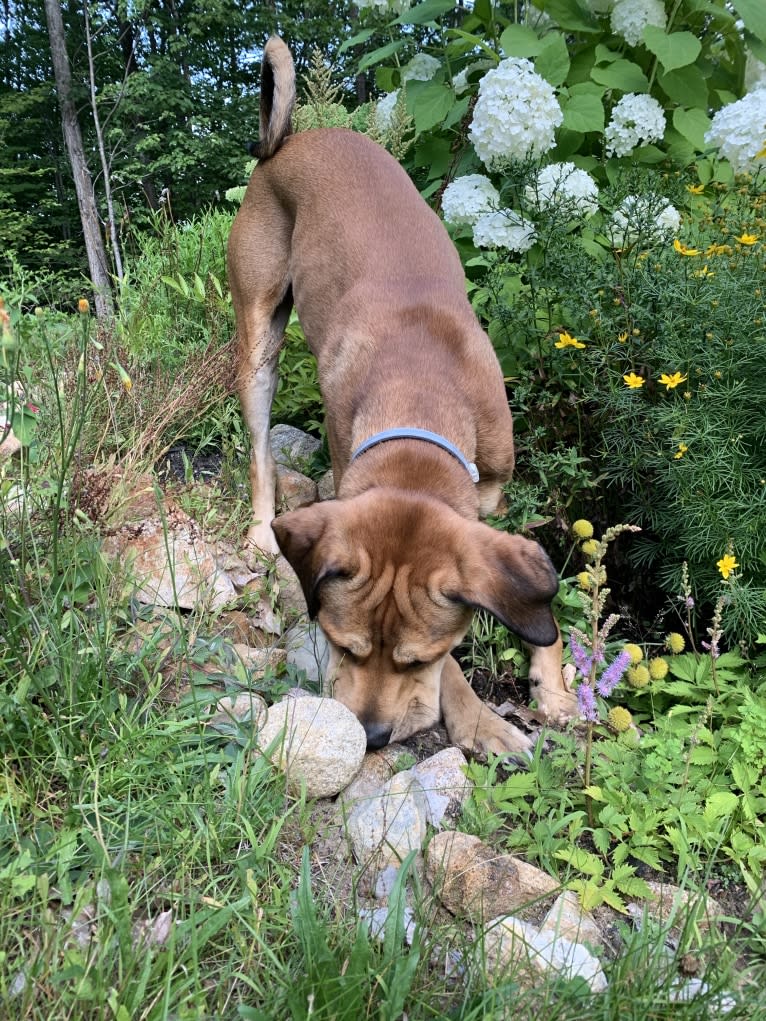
[(753, 13), (382, 53), (584, 112), (429, 10), (553, 60), (520, 41), (686, 85), (674, 50), (692, 124), (569, 15), (429, 103), (623, 75)]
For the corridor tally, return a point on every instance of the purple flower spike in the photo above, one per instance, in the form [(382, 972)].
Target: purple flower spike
[(580, 657), (586, 703), (613, 674)]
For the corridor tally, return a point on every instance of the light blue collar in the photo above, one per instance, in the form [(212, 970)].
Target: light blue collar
[(418, 434)]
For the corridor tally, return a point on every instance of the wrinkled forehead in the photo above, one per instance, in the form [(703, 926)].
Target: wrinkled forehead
[(392, 601)]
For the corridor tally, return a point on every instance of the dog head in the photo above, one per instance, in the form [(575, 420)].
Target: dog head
[(393, 578)]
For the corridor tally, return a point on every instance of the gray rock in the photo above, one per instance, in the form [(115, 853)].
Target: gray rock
[(307, 649), (446, 786), (511, 945), (294, 490), (258, 661), (326, 486), (292, 447), (317, 741), (469, 877), (385, 829), (568, 918), (376, 918), (232, 710)]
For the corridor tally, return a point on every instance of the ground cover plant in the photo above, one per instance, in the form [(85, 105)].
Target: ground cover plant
[(154, 867)]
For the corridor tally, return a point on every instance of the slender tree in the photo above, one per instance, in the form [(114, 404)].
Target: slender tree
[(94, 242)]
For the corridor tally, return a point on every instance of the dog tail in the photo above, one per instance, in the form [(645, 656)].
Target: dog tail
[(277, 98)]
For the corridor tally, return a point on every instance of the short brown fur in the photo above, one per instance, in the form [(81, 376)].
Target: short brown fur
[(394, 566)]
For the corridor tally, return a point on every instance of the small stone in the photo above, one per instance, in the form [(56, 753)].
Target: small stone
[(368, 784), (384, 882), (289, 591), (292, 447), (258, 661), (307, 649), (294, 490), (318, 741), (511, 945), (385, 829), (567, 918), (235, 625), (469, 877), (376, 918), (669, 903), (446, 786), (233, 710), (326, 486)]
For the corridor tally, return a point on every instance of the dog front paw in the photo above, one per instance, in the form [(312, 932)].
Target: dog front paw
[(556, 702), (260, 542), (490, 734)]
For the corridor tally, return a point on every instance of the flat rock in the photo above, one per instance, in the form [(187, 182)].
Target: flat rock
[(446, 786), (258, 661), (470, 878), (294, 490), (669, 903), (386, 828), (568, 918), (317, 741), (233, 710), (307, 649), (368, 784), (515, 948), (292, 447)]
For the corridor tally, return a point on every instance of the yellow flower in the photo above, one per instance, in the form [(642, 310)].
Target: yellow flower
[(635, 652), (695, 189), (83, 307), (590, 547), (566, 341), (683, 250), (633, 382), (584, 580), (675, 643), (619, 719), (658, 668), (673, 381), (682, 448), (704, 272), (638, 676), (622, 337), (726, 565), (583, 529), (747, 239), (718, 249)]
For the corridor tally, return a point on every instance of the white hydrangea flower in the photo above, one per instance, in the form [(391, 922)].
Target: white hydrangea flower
[(636, 120), (537, 19), (384, 6), (755, 72), (384, 109), (630, 18), (467, 198), (421, 68), (564, 184), (504, 229), (644, 217), (739, 131), (515, 115), (460, 81)]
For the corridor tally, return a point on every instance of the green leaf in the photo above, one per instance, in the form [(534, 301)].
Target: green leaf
[(692, 124), (429, 10), (686, 86), (720, 804), (382, 53), (355, 40), (623, 75), (678, 49), (753, 13), (429, 103), (24, 425), (435, 153), (581, 860), (584, 112), (602, 839), (571, 16), (520, 41), (553, 60)]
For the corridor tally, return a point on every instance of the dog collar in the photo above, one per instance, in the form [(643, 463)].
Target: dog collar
[(418, 434)]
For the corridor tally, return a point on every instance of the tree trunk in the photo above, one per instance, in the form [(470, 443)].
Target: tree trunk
[(94, 243)]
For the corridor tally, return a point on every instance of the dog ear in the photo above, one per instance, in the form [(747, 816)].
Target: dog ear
[(310, 543), (513, 579)]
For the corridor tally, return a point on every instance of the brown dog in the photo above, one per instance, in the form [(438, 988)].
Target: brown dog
[(393, 568)]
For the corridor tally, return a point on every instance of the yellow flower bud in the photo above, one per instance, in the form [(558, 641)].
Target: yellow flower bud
[(590, 547), (619, 719), (658, 668), (584, 580), (675, 643), (635, 652), (83, 306), (638, 676), (582, 529)]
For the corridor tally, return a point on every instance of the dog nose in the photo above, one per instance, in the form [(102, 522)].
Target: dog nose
[(378, 735)]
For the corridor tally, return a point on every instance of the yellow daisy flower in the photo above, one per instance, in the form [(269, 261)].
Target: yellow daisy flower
[(684, 250), (566, 341), (747, 239), (682, 448), (695, 189), (672, 381), (726, 565), (718, 250), (632, 381)]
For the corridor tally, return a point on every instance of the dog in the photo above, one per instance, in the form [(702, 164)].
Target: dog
[(418, 424)]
